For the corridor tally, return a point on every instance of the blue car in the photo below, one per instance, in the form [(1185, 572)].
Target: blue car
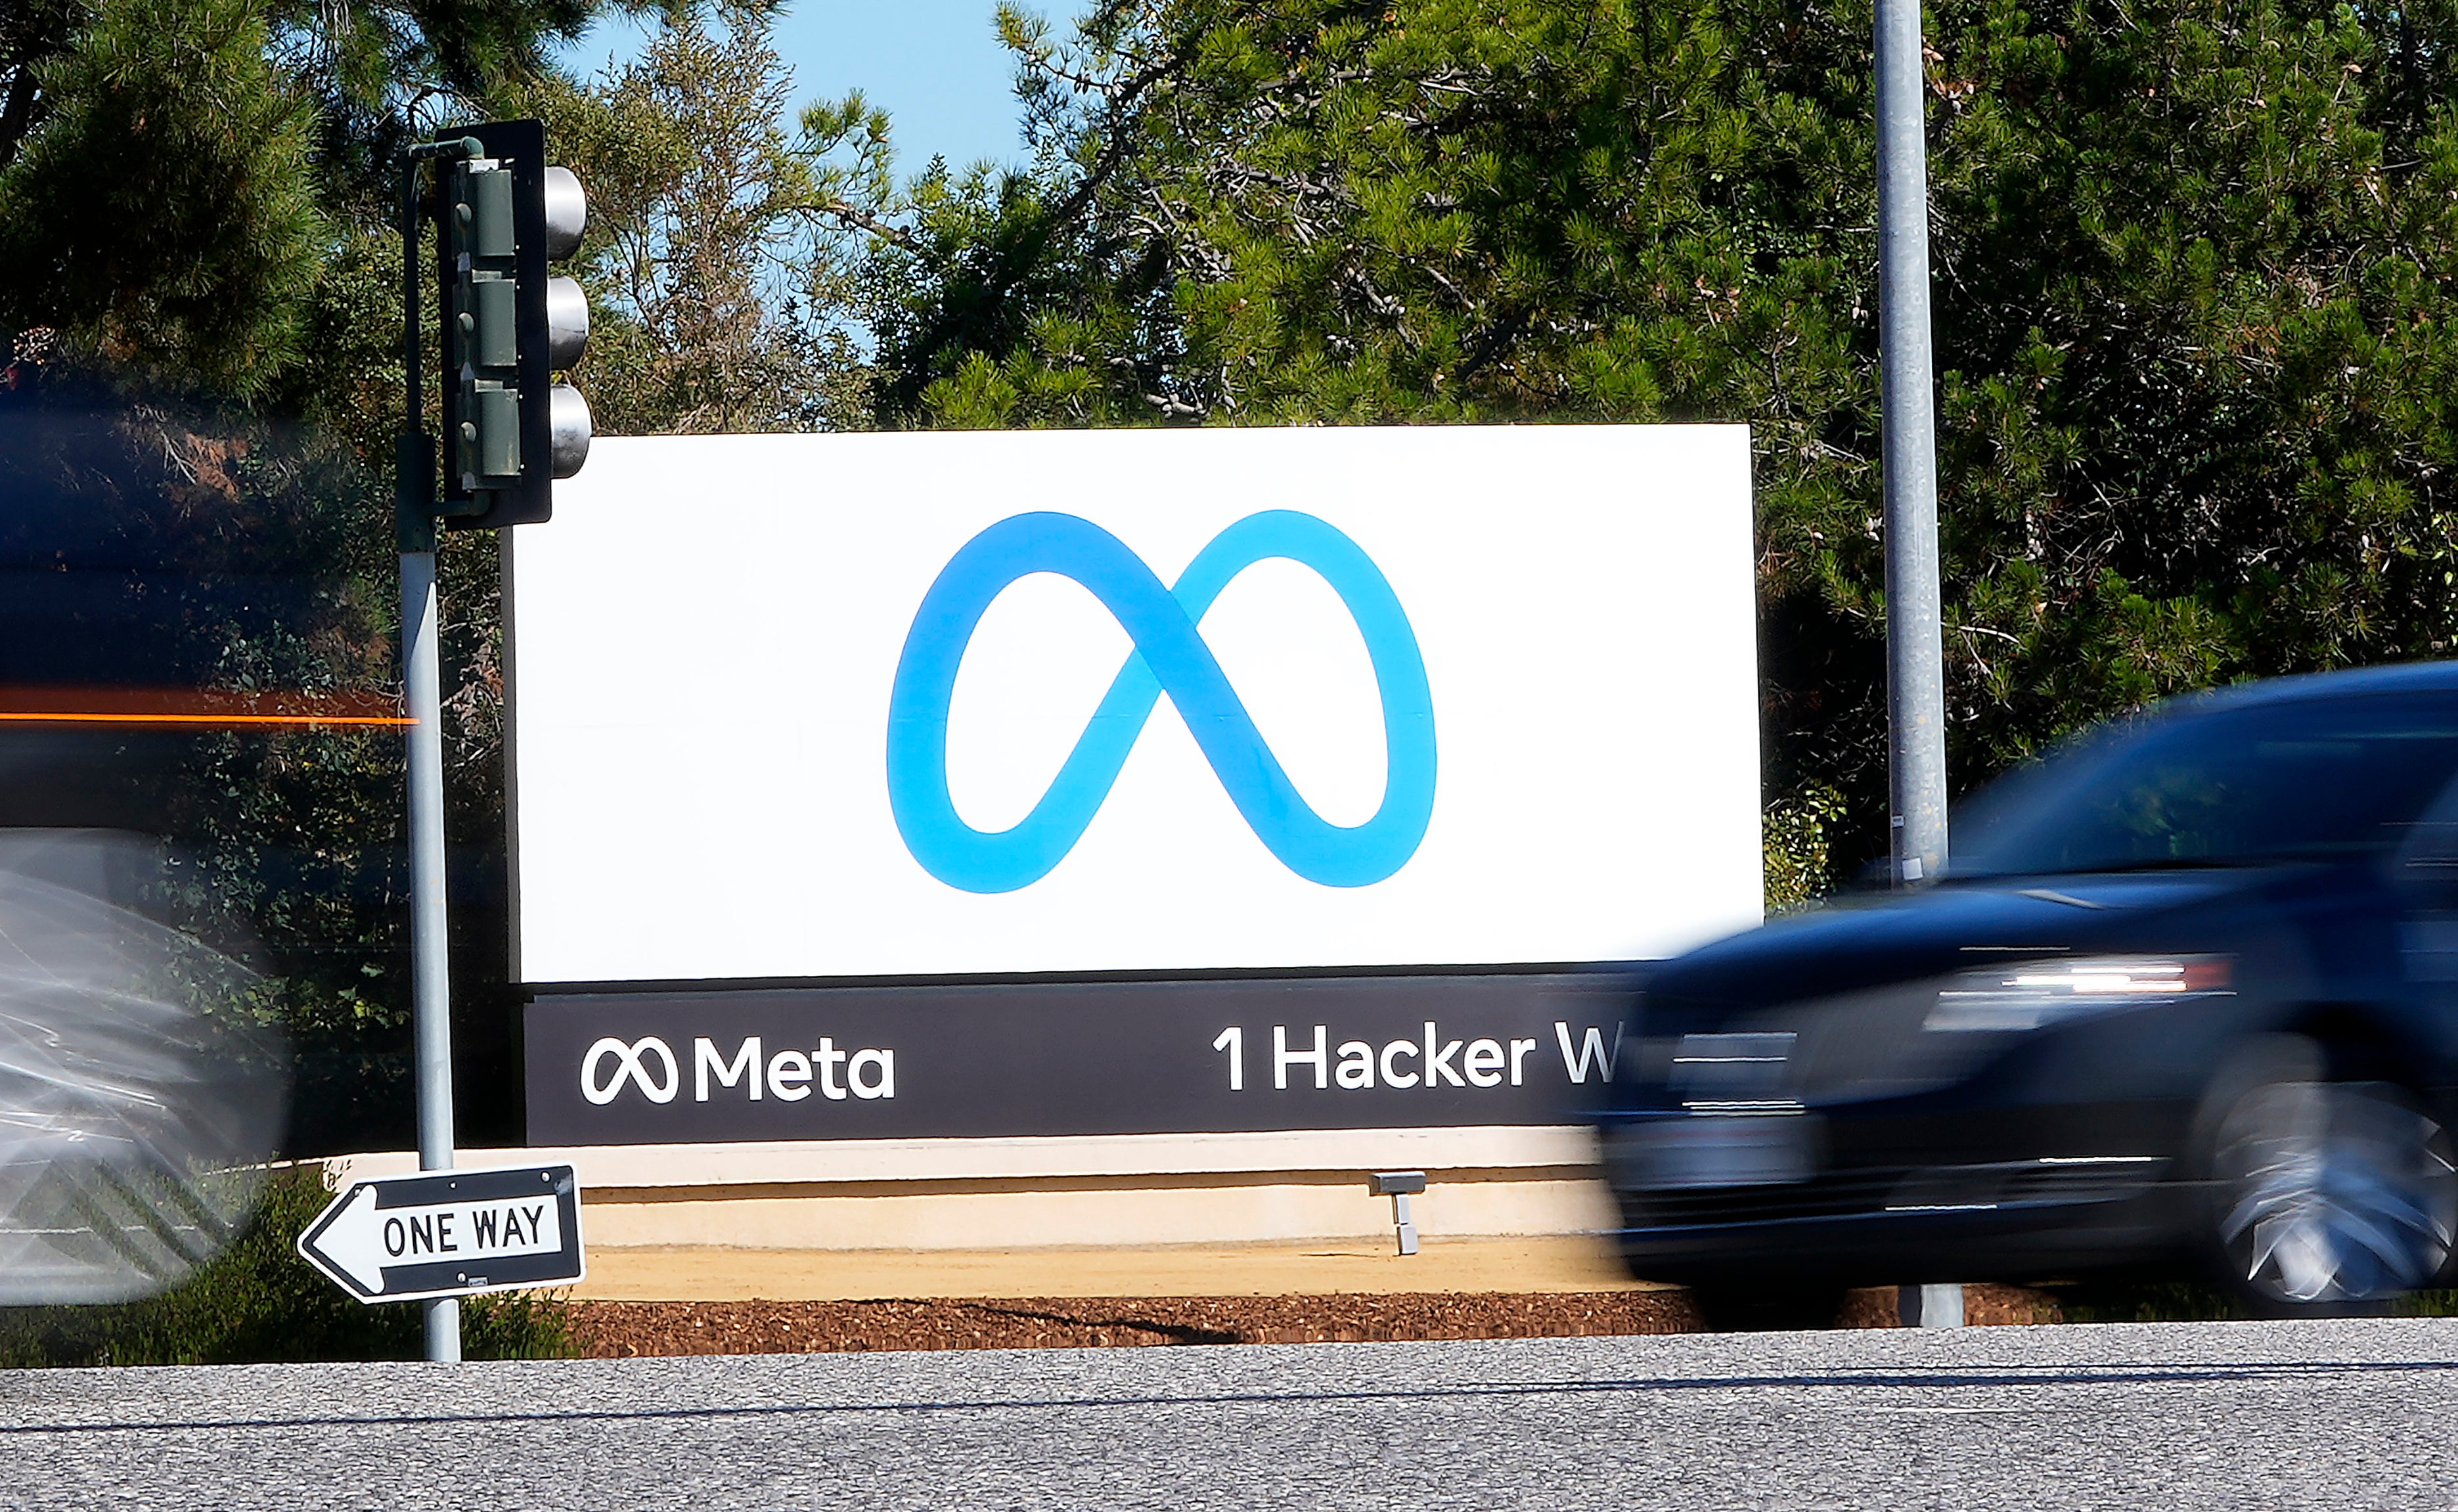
[(2184, 1004)]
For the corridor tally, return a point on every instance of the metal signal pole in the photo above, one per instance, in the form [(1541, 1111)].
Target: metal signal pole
[(1915, 673), (430, 944)]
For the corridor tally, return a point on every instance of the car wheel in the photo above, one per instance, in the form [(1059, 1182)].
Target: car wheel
[(2330, 1197)]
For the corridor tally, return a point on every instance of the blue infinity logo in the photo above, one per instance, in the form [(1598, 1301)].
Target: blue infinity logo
[(1169, 656)]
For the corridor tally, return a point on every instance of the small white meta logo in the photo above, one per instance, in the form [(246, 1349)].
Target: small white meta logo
[(630, 1065), (786, 1076)]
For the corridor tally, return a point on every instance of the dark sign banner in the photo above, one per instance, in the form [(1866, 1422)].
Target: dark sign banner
[(630, 1067)]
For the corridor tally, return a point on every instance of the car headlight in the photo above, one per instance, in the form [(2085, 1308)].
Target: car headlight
[(2032, 994)]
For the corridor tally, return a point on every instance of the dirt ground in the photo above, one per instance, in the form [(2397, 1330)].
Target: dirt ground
[(711, 1274), (618, 1329)]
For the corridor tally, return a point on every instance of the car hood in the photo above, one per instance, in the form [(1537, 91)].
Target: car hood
[(1871, 941)]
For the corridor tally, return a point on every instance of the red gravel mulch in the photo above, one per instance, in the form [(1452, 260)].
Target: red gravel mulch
[(620, 1329)]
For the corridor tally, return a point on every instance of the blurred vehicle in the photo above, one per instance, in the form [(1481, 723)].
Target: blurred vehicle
[(135, 1122), (2184, 1001), (184, 650)]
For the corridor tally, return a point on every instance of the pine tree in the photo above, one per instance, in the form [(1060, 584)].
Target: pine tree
[(185, 185)]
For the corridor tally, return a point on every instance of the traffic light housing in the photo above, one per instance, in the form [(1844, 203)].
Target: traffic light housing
[(509, 326)]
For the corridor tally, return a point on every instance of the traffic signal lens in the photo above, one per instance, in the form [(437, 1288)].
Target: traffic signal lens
[(567, 323), (567, 212), (570, 429)]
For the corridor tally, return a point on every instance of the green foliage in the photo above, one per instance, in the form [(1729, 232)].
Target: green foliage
[(259, 1302), (1797, 842), (703, 223), (167, 211), (186, 185), (2123, 1301)]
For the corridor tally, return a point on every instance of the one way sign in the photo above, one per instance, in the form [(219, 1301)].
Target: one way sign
[(451, 1232)]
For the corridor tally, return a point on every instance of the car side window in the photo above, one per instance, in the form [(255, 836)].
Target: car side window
[(2429, 853), (2318, 779)]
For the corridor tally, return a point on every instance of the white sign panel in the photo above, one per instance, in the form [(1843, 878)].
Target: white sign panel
[(817, 707)]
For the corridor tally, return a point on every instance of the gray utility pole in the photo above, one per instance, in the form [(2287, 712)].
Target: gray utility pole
[(1915, 674), (431, 964), (429, 944)]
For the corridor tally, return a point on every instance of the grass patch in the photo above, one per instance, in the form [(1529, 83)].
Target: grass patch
[(258, 1302), (2145, 1302)]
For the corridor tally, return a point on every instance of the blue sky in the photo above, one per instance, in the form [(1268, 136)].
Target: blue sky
[(936, 66)]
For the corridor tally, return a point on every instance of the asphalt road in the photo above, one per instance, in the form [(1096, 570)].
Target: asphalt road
[(2203, 1415)]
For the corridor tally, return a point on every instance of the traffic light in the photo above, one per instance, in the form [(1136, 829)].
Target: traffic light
[(509, 430)]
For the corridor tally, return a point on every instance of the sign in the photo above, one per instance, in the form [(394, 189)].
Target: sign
[(1092, 1058), (449, 1233), (816, 709)]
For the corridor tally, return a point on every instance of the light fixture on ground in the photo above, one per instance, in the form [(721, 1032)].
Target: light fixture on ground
[(1400, 1185)]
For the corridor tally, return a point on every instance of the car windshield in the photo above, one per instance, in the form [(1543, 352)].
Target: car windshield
[(2326, 779)]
